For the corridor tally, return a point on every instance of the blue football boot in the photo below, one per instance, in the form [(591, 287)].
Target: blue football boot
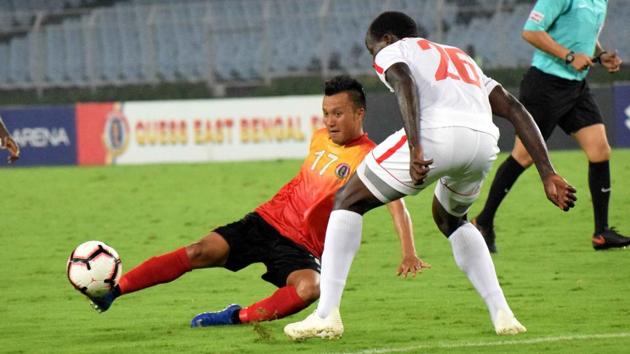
[(102, 303), (227, 316)]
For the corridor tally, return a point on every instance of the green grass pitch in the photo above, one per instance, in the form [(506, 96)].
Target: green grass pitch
[(571, 298)]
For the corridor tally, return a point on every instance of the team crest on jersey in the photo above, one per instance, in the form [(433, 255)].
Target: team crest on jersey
[(536, 17), (342, 170)]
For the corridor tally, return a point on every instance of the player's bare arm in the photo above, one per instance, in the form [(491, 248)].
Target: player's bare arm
[(410, 262), (543, 41), (7, 142), (507, 106), (609, 60), (401, 80)]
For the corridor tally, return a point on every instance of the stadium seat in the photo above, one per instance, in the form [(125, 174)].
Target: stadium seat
[(75, 71), (4, 69), (56, 56), (146, 41), (18, 70)]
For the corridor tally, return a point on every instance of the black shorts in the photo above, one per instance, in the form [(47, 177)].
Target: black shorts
[(253, 240), (556, 101)]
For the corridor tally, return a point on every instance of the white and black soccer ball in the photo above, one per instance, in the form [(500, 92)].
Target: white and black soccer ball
[(94, 268)]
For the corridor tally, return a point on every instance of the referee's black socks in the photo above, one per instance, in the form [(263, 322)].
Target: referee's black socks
[(599, 184), (506, 176)]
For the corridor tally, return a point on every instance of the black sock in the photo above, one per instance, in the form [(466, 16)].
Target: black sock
[(599, 184), (506, 175)]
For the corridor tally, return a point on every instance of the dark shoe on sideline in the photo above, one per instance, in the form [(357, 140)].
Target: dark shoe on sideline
[(610, 238)]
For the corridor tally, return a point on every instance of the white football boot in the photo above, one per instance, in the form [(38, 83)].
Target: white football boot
[(506, 324), (313, 326)]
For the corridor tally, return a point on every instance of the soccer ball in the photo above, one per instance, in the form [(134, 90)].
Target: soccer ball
[(94, 268)]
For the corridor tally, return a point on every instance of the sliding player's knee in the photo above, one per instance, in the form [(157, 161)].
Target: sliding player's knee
[(211, 250), (306, 283), (197, 255), (308, 291)]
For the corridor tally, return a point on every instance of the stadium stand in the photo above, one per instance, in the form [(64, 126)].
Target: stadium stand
[(90, 43)]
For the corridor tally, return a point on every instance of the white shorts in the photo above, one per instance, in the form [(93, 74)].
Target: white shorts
[(461, 157)]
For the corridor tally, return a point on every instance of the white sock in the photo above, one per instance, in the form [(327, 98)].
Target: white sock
[(343, 238), (472, 256)]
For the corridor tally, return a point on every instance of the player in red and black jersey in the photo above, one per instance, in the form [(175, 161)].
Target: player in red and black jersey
[(287, 232)]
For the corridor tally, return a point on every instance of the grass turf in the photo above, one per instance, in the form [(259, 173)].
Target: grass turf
[(570, 297)]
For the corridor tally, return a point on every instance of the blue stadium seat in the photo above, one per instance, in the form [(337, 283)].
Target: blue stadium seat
[(129, 34), (4, 58), (164, 31), (56, 56), (198, 33), (75, 67), (147, 41), (110, 51), (18, 66)]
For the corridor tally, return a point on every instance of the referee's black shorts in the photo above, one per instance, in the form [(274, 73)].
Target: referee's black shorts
[(253, 240), (556, 101)]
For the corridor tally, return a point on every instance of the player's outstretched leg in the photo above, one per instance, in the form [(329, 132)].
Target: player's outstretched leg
[(227, 316), (314, 326), (153, 271)]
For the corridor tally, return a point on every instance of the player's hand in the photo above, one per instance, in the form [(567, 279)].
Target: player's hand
[(581, 62), (411, 265), (611, 61), (418, 166), (14, 149), (560, 192)]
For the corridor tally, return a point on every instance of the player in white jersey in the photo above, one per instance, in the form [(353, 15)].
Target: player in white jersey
[(447, 103)]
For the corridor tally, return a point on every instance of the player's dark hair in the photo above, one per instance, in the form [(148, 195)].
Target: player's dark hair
[(396, 23), (344, 83)]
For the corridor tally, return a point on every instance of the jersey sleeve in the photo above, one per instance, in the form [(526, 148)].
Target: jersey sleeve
[(545, 13), (387, 57), (489, 83)]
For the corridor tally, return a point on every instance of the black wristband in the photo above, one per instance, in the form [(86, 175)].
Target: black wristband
[(569, 58), (598, 59)]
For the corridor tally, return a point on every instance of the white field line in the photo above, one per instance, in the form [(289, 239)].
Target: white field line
[(450, 345)]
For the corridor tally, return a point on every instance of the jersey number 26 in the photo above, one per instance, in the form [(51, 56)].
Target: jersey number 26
[(460, 60)]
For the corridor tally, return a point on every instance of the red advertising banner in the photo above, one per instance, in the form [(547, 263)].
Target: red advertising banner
[(95, 129)]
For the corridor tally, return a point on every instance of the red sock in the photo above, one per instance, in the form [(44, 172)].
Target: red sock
[(284, 302), (156, 270)]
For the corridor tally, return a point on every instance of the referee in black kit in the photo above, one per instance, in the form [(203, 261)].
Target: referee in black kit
[(565, 35)]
